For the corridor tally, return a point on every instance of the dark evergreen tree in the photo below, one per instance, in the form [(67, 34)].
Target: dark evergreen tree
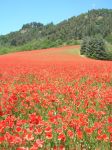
[(94, 47)]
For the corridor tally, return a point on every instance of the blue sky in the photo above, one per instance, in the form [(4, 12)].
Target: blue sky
[(15, 13)]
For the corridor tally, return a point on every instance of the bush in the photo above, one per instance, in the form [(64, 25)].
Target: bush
[(73, 42), (109, 38), (94, 47), (84, 46)]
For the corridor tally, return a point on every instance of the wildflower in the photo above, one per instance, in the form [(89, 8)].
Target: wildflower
[(61, 137)]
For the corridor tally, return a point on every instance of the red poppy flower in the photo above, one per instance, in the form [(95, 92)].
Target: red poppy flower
[(61, 137)]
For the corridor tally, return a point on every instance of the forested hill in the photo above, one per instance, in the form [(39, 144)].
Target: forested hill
[(75, 28)]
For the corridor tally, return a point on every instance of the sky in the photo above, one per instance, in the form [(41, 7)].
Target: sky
[(15, 13)]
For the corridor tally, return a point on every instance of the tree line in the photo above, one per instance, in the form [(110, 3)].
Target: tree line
[(71, 31)]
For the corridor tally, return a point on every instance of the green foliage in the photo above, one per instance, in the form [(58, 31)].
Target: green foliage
[(109, 38), (35, 44), (84, 46), (68, 32), (109, 51), (73, 42), (94, 47)]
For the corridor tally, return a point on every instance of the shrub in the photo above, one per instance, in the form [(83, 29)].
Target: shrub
[(109, 38), (94, 47)]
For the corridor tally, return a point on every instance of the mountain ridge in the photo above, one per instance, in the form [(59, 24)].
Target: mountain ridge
[(37, 35)]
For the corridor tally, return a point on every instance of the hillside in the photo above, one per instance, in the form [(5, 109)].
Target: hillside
[(68, 32)]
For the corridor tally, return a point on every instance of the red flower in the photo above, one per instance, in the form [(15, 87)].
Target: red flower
[(61, 137), (29, 137), (89, 130), (48, 129), (35, 119), (2, 139), (70, 134), (18, 129), (39, 143), (49, 135), (102, 137), (61, 147), (109, 119), (38, 131), (79, 134), (110, 129)]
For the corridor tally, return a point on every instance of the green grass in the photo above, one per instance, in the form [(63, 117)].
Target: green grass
[(70, 51), (73, 51)]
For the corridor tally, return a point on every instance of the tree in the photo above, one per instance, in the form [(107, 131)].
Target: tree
[(84, 46), (109, 38), (94, 47)]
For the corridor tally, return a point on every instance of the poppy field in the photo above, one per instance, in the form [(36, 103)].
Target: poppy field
[(55, 100)]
